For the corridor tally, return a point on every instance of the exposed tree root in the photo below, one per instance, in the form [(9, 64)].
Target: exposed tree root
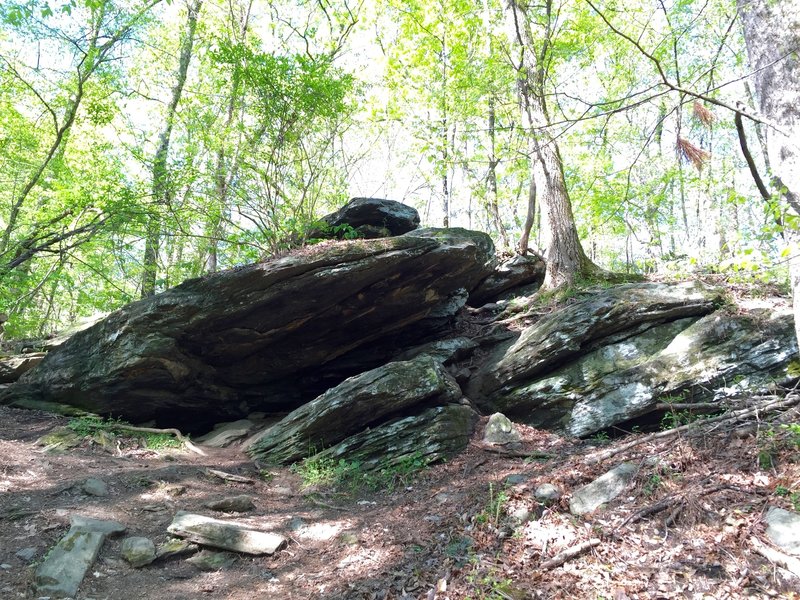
[(570, 553)]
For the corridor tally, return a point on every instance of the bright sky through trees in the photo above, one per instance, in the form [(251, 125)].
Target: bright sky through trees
[(288, 109)]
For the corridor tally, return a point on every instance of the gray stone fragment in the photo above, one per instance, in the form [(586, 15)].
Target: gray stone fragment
[(515, 479), (78, 522), (240, 503), (500, 430), (27, 554), (602, 490), (175, 547), (520, 513), (783, 528), (207, 560), (61, 573), (95, 487), (547, 492), (227, 535), (224, 434), (138, 551)]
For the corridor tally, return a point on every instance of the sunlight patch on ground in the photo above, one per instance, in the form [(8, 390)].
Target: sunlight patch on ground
[(322, 532), (363, 558)]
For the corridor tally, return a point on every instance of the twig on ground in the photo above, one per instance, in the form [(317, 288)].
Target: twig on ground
[(229, 476), (732, 416), (570, 553)]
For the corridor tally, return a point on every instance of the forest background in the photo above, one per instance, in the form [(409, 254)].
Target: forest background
[(144, 142)]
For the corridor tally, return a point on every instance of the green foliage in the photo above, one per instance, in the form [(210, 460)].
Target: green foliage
[(784, 492), (322, 471), (91, 426), (653, 483), (326, 472), (495, 506), (488, 584)]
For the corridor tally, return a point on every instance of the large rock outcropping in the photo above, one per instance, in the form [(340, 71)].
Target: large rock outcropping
[(616, 354), (361, 349), (254, 338)]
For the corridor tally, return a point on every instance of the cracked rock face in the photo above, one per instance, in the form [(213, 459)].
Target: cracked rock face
[(613, 356), (253, 338)]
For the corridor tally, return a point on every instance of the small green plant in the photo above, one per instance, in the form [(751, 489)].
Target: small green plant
[(488, 584), (323, 471), (652, 484), (600, 437), (794, 497), (494, 508), (793, 431)]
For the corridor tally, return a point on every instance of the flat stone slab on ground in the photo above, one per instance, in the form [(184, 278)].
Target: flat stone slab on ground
[(61, 573), (603, 489), (783, 529), (227, 535), (240, 503)]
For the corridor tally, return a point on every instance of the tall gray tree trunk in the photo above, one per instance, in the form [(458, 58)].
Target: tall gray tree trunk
[(566, 261), (772, 35), (162, 188)]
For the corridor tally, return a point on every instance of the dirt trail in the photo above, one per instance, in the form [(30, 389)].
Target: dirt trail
[(470, 528)]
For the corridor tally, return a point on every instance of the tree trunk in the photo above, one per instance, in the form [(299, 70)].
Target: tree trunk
[(772, 35), (162, 192), (566, 261)]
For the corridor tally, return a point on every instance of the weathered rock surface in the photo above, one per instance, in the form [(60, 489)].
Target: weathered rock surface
[(206, 560), (362, 401), (602, 490), (138, 551), (13, 367), (374, 214), (510, 274), (224, 434), (241, 503), (783, 528), (253, 338), (63, 569), (433, 435), (226, 535), (500, 430), (584, 326), (614, 356)]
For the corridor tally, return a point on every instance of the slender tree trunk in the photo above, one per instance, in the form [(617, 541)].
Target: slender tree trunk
[(772, 35), (162, 188), (491, 179), (564, 255)]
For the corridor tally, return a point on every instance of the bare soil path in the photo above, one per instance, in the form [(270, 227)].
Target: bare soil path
[(470, 528)]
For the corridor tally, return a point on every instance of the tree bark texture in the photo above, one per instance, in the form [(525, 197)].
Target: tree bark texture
[(772, 35)]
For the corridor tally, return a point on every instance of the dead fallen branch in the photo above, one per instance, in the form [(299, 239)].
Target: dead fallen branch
[(790, 563), (695, 406), (229, 476), (570, 553), (678, 501), (732, 416)]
